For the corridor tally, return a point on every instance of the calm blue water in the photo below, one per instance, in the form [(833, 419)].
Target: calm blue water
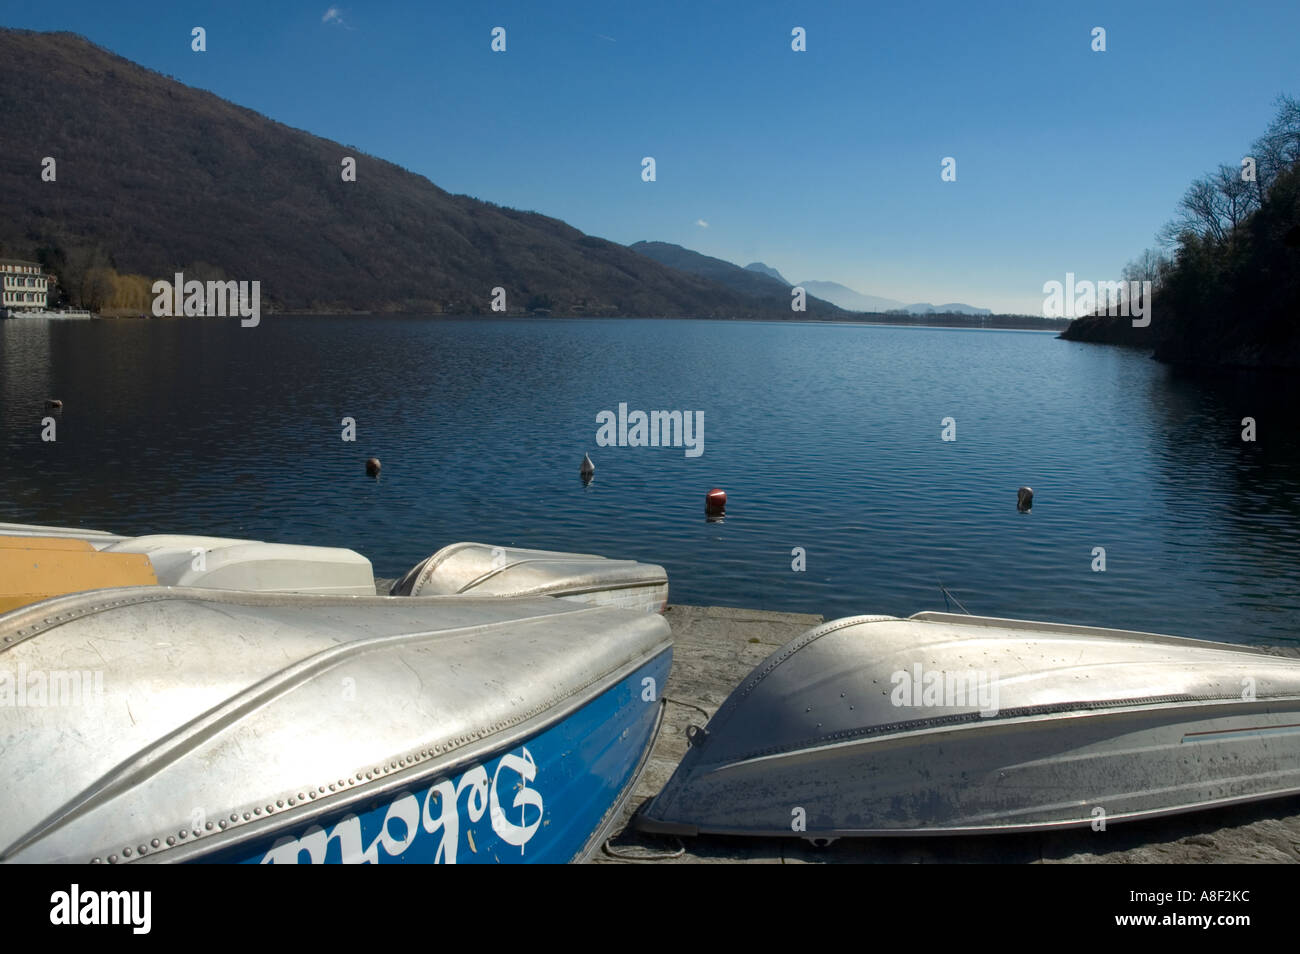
[(825, 437)]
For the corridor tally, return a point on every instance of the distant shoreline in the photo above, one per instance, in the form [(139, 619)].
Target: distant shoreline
[(960, 322)]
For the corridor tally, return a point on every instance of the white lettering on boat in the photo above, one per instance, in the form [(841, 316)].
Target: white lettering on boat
[(440, 813)]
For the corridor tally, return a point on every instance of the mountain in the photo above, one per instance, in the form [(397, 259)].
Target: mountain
[(848, 299), (154, 177), (767, 270), (760, 286), (956, 308)]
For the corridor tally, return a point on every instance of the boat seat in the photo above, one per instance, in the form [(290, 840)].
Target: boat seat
[(223, 563), (98, 539), (36, 568)]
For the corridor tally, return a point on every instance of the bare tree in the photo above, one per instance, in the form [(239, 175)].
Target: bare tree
[(82, 263), (1214, 206), (1151, 266), (1201, 210), (97, 288), (1279, 148), (1238, 197)]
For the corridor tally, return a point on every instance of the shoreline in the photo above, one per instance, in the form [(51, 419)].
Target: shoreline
[(1008, 322)]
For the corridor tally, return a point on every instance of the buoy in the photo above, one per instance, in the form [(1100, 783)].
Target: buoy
[(1025, 499), (372, 467), (588, 468), (53, 402), (715, 500)]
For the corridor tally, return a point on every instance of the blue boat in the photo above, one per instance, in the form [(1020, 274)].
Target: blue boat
[(168, 724)]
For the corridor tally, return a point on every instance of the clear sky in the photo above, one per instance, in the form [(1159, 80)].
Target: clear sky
[(824, 164)]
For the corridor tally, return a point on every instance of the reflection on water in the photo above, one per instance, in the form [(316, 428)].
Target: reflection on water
[(826, 438)]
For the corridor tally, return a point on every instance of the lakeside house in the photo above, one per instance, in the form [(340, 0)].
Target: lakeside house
[(24, 286)]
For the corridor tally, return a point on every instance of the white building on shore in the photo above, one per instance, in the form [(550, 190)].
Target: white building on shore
[(23, 287)]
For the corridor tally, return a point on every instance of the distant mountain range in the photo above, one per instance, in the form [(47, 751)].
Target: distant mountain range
[(848, 299), (851, 300), (955, 308), (747, 281), (767, 270)]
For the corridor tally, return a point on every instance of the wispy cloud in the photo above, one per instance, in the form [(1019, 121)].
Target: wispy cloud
[(701, 223), (333, 15), (609, 38)]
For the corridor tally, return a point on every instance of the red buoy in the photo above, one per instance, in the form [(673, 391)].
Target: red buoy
[(715, 500)]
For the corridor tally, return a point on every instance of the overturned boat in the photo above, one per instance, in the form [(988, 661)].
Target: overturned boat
[(482, 570), (163, 723), (948, 724)]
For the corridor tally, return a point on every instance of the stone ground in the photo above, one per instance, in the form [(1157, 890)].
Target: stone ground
[(714, 648)]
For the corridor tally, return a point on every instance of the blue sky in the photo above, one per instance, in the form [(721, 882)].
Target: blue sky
[(824, 164)]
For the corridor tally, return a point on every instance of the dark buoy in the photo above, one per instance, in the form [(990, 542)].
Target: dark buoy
[(1025, 499), (372, 467), (715, 501), (587, 470), (53, 402)]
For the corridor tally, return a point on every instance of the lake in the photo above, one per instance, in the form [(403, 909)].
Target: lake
[(826, 437)]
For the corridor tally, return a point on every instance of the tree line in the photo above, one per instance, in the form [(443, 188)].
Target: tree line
[(1225, 275)]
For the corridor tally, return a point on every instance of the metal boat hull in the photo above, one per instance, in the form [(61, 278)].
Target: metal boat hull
[(550, 799), (478, 569), (835, 734), (234, 726)]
